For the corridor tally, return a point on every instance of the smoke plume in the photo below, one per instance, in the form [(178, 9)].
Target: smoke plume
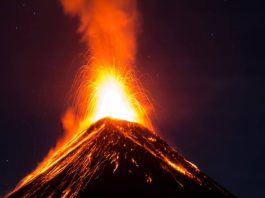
[(109, 28)]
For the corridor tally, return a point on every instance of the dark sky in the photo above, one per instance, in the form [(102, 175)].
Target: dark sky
[(202, 62)]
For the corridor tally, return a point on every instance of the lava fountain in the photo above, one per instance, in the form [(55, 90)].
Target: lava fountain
[(108, 86)]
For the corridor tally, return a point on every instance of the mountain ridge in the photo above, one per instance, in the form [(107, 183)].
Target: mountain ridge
[(114, 156)]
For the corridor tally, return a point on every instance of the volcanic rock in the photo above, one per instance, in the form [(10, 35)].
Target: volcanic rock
[(122, 159)]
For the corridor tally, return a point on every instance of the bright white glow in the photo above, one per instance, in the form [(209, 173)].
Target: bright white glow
[(112, 101)]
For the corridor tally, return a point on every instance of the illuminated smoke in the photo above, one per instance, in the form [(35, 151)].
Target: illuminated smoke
[(109, 28), (107, 85)]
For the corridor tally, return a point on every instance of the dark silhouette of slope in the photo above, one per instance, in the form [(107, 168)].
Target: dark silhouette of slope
[(122, 159)]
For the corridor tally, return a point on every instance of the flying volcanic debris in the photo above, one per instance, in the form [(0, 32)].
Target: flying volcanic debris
[(112, 148)]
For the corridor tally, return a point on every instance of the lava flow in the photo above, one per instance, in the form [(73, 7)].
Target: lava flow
[(122, 159)]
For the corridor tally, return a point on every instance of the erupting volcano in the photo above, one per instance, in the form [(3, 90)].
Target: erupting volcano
[(112, 146)]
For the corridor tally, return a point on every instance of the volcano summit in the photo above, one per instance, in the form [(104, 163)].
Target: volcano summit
[(120, 158)]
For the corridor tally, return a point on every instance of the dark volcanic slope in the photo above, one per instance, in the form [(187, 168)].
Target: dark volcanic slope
[(114, 157)]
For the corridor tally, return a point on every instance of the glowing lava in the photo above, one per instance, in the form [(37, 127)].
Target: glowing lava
[(117, 158), (114, 93), (112, 100)]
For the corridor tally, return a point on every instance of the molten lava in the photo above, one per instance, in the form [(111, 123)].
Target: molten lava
[(117, 158), (109, 92), (112, 100)]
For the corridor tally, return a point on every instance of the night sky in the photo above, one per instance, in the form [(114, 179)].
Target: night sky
[(202, 62)]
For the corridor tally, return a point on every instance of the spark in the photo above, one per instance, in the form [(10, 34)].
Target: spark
[(110, 91)]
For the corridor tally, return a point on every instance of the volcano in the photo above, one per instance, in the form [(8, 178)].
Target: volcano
[(120, 158)]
